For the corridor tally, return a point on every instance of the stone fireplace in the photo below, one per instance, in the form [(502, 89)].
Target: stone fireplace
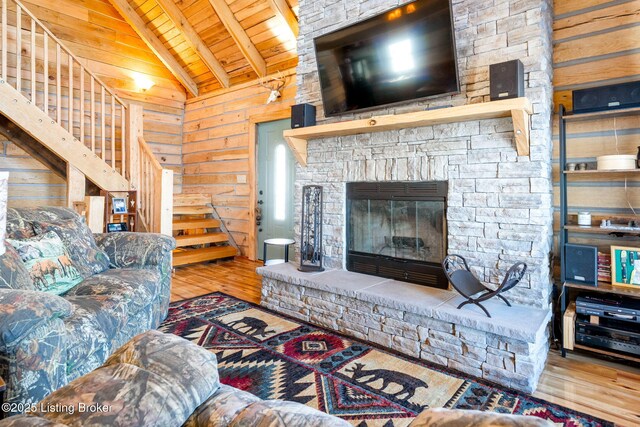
[(499, 205), (397, 230)]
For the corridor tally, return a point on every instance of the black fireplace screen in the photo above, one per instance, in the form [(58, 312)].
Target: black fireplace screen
[(397, 230)]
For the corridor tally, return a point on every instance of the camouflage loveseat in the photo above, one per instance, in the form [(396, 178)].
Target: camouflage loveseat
[(48, 340), (146, 382)]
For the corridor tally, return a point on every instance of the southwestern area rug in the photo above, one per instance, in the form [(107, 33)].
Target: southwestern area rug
[(275, 357)]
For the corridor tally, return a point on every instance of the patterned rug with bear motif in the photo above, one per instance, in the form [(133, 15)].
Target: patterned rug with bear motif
[(276, 357)]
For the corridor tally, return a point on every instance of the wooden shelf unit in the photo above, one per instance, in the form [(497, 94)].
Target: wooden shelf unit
[(130, 217), (519, 109), (570, 290), (578, 117), (607, 353), (600, 230), (611, 174), (606, 287)]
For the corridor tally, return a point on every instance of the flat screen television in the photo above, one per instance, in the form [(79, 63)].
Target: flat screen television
[(404, 54)]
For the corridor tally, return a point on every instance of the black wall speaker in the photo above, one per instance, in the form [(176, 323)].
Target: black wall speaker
[(506, 80), (302, 115), (623, 95), (581, 264)]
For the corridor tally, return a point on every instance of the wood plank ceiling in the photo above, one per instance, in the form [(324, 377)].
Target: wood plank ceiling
[(213, 44)]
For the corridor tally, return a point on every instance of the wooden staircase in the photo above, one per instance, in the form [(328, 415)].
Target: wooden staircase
[(200, 236), (61, 114), (37, 126)]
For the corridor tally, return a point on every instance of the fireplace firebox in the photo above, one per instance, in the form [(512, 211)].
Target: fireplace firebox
[(397, 230)]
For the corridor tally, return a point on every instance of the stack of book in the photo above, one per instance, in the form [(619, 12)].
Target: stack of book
[(604, 267)]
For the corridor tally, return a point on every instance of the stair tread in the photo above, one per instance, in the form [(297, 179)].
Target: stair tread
[(191, 210), (190, 256), (191, 199), (186, 224), (197, 239)]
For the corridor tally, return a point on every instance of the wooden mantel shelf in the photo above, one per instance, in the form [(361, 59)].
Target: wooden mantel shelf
[(519, 109)]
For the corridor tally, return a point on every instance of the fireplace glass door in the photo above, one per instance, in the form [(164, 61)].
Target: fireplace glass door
[(410, 230), (398, 231)]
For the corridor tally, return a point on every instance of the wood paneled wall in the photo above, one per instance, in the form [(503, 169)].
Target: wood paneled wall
[(596, 42), (216, 152), (95, 32)]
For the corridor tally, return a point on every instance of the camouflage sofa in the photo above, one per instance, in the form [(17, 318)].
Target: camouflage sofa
[(48, 340), (148, 383)]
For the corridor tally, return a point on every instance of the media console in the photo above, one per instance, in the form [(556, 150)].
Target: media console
[(611, 324)]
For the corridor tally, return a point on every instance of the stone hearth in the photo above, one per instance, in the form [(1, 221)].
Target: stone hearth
[(510, 348)]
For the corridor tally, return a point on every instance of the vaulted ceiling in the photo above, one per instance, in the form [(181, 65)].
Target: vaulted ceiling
[(212, 44)]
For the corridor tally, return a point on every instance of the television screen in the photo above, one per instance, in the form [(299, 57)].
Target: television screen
[(403, 54)]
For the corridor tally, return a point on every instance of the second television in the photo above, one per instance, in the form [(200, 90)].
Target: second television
[(401, 55)]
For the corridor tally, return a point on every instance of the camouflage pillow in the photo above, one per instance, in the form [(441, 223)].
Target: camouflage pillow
[(48, 263), (13, 274), (19, 231), (80, 243)]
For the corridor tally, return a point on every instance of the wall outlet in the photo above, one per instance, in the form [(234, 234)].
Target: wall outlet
[(241, 179)]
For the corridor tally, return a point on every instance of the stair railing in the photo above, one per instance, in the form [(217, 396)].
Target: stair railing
[(155, 205), (37, 64)]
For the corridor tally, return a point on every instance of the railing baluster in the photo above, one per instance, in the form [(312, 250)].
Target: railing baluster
[(144, 188), (4, 40), (147, 207), (142, 204), (93, 115), (102, 125), (123, 148), (58, 86), (82, 118), (33, 62), (146, 191), (150, 201), (113, 132), (45, 59), (70, 103), (18, 48)]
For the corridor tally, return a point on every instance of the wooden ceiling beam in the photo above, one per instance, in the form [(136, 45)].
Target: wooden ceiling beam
[(156, 46), (194, 40), (285, 14), (240, 36)]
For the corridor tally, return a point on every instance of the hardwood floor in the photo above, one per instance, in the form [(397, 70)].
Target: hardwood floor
[(237, 278), (598, 387), (601, 388)]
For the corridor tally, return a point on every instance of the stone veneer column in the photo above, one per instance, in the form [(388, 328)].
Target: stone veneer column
[(499, 203)]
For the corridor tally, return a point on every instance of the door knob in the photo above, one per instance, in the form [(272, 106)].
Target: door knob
[(258, 223), (260, 202), (260, 230)]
